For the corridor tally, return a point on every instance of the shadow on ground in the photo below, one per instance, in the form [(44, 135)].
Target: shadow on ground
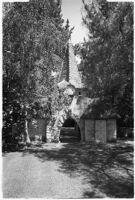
[(108, 168)]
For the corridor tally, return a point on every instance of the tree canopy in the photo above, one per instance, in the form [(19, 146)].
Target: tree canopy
[(107, 55), (34, 40)]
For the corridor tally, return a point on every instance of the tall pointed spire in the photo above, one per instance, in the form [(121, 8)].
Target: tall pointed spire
[(70, 72), (74, 74)]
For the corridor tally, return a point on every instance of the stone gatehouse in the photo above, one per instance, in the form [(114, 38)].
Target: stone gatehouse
[(90, 126)]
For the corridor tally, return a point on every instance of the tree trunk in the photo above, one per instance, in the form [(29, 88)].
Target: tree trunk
[(26, 129)]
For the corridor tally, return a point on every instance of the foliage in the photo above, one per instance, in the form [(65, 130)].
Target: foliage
[(107, 55), (33, 33)]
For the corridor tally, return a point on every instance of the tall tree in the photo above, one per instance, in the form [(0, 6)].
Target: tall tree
[(33, 33), (107, 56)]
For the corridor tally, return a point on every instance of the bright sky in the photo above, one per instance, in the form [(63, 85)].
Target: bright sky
[(71, 9)]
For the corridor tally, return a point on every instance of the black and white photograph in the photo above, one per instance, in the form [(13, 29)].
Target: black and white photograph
[(67, 99)]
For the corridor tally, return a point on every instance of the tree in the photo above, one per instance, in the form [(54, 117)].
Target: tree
[(33, 33), (107, 56)]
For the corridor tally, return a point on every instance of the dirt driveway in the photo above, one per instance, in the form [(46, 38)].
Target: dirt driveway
[(70, 171)]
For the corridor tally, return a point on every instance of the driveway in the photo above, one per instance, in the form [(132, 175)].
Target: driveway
[(69, 171)]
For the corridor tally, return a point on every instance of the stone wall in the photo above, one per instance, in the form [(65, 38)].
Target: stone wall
[(98, 130), (91, 130), (111, 130)]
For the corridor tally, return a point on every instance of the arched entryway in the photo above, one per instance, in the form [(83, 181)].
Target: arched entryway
[(70, 131)]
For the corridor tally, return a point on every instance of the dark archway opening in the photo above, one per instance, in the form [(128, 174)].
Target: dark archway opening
[(70, 131)]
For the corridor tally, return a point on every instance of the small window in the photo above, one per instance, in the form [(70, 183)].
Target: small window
[(79, 93)]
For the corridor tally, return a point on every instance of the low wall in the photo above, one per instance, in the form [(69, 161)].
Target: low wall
[(98, 130), (91, 130)]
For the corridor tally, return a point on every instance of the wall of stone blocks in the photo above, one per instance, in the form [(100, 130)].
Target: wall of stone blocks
[(98, 130), (111, 130), (89, 130)]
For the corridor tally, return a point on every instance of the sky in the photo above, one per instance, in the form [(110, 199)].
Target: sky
[(71, 9)]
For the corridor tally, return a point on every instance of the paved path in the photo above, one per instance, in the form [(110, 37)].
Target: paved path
[(57, 171)]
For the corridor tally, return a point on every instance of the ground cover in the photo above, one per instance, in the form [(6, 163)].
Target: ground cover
[(70, 170)]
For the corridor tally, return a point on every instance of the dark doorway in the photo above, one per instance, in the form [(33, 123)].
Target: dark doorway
[(70, 131)]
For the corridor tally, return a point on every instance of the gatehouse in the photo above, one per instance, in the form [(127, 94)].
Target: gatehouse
[(87, 124)]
